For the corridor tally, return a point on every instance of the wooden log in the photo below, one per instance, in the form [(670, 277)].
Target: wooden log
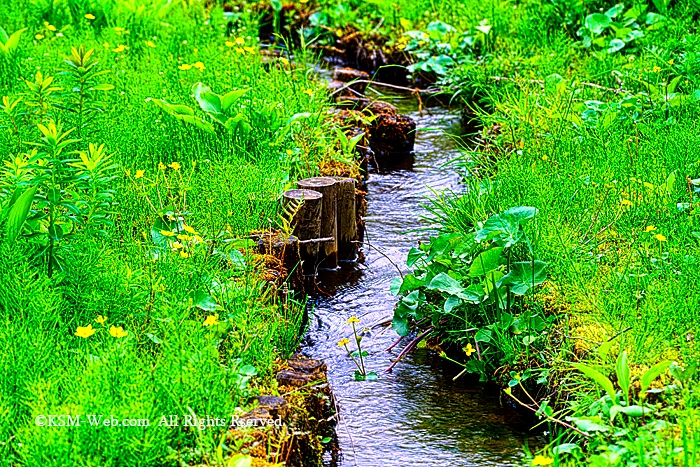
[(346, 218), (328, 250), (306, 207)]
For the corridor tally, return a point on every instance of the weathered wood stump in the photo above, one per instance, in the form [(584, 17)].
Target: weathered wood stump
[(282, 259), (328, 249), (305, 206), (347, 223), (274, 405)]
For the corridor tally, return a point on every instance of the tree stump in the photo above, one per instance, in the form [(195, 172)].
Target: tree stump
[(328, 249), (305, 206), (346, 219)]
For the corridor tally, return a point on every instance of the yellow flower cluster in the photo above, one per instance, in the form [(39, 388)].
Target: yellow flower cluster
[(198, 65), (87, 331)]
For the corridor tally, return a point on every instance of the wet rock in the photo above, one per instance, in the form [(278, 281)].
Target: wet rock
[(295, 378), (392, 134), (309, 366)]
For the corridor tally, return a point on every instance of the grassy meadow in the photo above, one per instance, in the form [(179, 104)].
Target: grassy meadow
[(144, 141), (126, 291)]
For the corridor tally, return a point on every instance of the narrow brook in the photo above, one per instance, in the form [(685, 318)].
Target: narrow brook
[(415, 415)]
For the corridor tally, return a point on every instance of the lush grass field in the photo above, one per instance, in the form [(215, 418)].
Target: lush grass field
[(590, 117), (142, 241)]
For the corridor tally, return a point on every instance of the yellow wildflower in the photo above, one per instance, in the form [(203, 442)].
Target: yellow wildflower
[(161, 166), (670, 62), (469, 349), (212, 320), (101, 319), (626, 202), (185, 67), (90, 16), (240, 51), (229, 44), (544, 158), (118, 29), (660, 237), (50, 27), (353, 319), (106, 45), (139, 173), (150, 44), (650, 228), (177, 245), (250, 50), (184, 238), (85, 331), (189, 228), (175, 165), (656, 69), (184, 254), (39, 37), (167, 233), (119, 49), (289, 152), (117, 332), (240, 41), (542, 460), (198, 239), (199, 65), (309, 92), (343, 342)]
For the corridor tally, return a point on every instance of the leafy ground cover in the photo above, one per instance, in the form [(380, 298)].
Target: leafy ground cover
[(586, 175), (143, 142)]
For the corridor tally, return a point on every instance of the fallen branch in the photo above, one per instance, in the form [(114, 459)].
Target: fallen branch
[(411, 345)]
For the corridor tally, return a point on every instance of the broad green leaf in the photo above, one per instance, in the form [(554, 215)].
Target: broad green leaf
[(483, 335), (597, 22), (228, 99), (525, 275), (604, 349), (103, 87), (207, 100), (589, 424), (600, 379), (10, 43), (651, 374), (395, 285), (400, 325), (410, 283), (566, 448), (204, 301), (18, 213), (623, 373), (414, 255), (485, 262), (631, 410), (506, 228), (451, 302), (444, 283), (237, 260)]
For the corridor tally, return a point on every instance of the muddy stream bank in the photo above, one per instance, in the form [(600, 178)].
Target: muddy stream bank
[(415, 415)]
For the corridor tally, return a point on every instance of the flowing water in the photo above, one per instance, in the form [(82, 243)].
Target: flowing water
[(415, 415)]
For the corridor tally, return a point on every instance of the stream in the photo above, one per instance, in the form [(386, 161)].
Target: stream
[(416, 415)]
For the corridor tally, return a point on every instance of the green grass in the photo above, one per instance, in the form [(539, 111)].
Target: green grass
[(225, 186), (610, 182)]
